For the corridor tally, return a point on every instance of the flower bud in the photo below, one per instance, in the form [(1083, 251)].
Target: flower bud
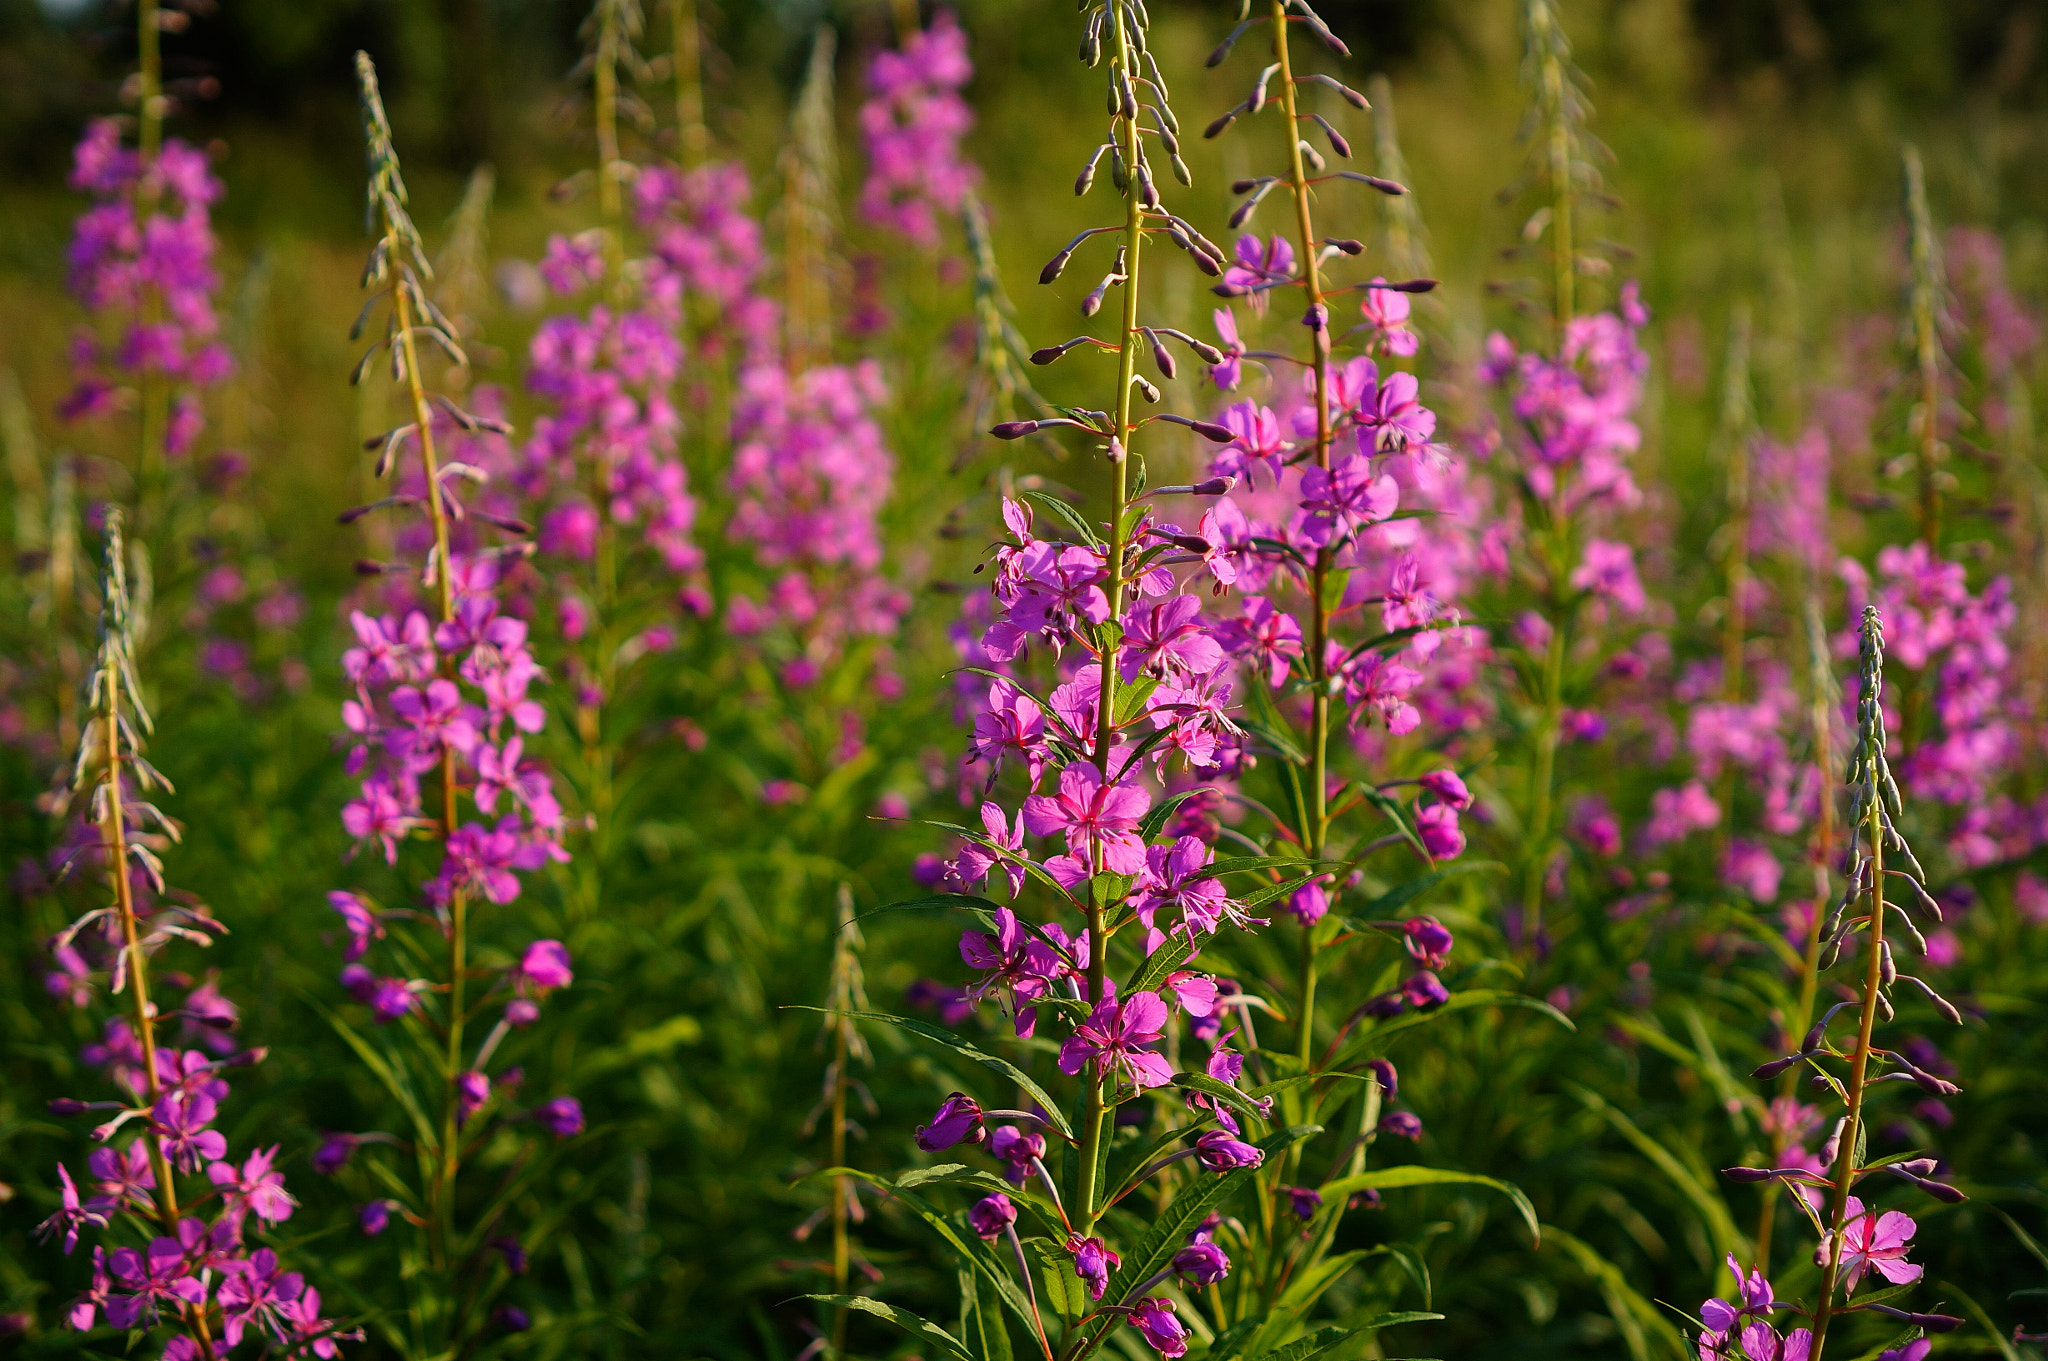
[(1221, 1151), (992, 1214), (1013, 429), (958, 1120)]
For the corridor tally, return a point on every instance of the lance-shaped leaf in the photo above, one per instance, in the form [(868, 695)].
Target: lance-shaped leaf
[(994, 1063), (1169, 1231), (1390, 1178), (921, 1328)]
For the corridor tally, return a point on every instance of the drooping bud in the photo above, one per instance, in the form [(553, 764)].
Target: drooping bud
[(1013, 429), (1161, 356)]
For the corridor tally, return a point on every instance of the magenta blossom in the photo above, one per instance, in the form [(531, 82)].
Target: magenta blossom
[(1871, 1241), (1114, 1038), (544, 967), (957, 1121), (1100, 820), (1221, 1151), (992, 1214), (1154, 1320), (1093, 1261), (561, 1117)]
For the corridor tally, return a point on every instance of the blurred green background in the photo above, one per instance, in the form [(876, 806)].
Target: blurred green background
[(1755, 149)]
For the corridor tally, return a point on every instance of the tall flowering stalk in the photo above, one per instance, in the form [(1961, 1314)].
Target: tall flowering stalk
[(189, 1277), (1857, 1241), (439, 719), (1572, 435), (1113, 1205), (1927, 307)]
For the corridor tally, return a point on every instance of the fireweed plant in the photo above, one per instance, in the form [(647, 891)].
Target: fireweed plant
[(1173, 1199), (173, 1211), (441, 708), (1857, 1240)]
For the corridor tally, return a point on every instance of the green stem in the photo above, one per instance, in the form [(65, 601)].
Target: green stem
[(692, 137), (1105, 712), (1315, 832), (1845, 1152)]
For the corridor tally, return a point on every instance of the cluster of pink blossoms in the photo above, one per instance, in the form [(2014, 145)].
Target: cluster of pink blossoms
[(810, 475), (912, 124), (701, 233), (407, 716), (204, 1269), (1974, 724), (144, 256)]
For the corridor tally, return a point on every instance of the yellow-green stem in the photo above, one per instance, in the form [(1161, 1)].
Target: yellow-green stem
[(1821, 854), (150, 83), (1315, 833), (447, 1163), (114, 838), (692, 137), (1859, 1064), (1105, 715)]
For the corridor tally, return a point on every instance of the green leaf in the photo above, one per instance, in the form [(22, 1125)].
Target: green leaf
[(1229, 1344), (1155, 821), (1712, 1208), (1391, 1178), (992, 1062), (1399, 896), (1130, 698), (394, 1081), (1238, 864), (1254, 901), (980, 908), (1219, 1091), (1372, 1040), (983, 1325), (1170, 1230), (921, 1328), (1641, 1322), (1394, 813), (1065, 513)]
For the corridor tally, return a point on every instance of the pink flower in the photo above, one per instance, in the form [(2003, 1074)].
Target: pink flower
[(1608, 570), (544, 967), (1437, 825), (256, 1186), (1871, 1241), (1100, 820), (1386, 313), (1344, 496), (1113, 1037)]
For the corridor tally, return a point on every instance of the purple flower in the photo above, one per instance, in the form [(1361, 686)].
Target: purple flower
[(156, 1275), (1448, 787), (71, 1215), (1095, 817), (1168, 639), (359, 919), (1154, 1320), (1383, 1072), (180, 1119), (1309, 903), (257, 1186), (561, 1117), (1016, 1150), (1874, 1242), (1346, 495), (992, 1214), (958, 1120), (511, 1318), (391, 998), (1428, 940), (1093, 1261), (1114, 1038), (544, 967), (1437, 825), (472, 1090), (126, 1179), (1423, 989), (514, 1254), (334, 1153), (254, 1292), (375, 1217), (1403, 1124), (1221, 1151), (1201, 1262), (1306, 1200)]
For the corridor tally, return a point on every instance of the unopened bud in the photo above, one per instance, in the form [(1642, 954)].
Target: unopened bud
[(65, 1107), (1347, 245), (1215, 486), (1056, 266), (1145, 388), (1216, 128), (1013, 429), (1162, 357)]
